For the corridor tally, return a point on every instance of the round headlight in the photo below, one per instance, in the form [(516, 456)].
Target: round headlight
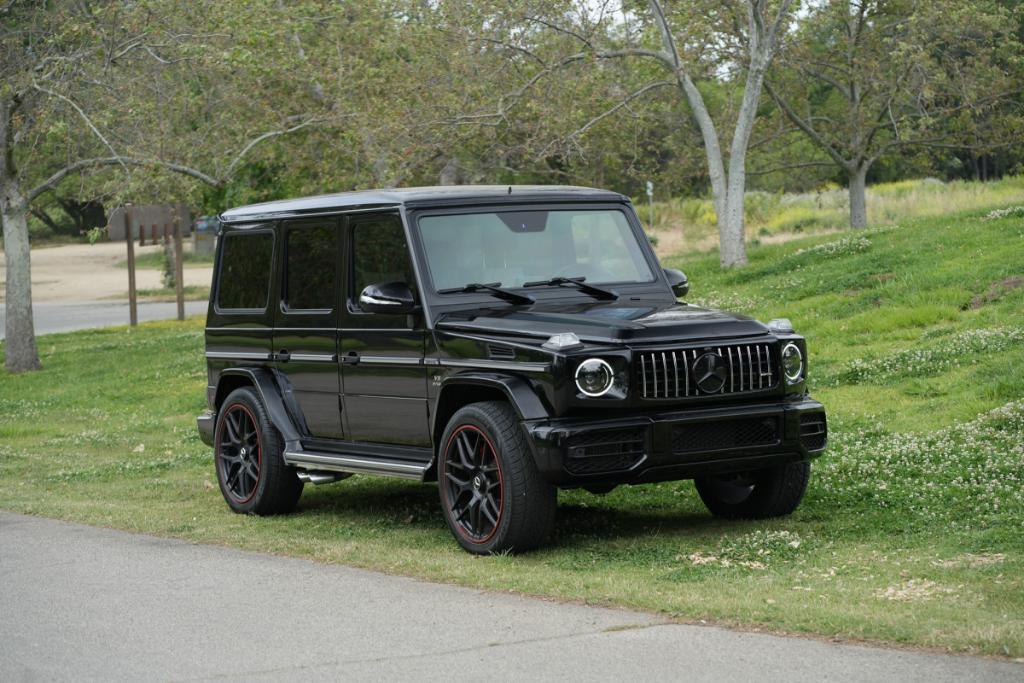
[(792, 363), (594, 377)]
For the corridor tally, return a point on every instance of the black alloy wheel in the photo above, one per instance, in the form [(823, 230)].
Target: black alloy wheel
[(492, 496), (239, 453), (248, 457), (474, 484)]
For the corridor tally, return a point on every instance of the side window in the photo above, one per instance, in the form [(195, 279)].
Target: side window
[(379, 253), (245, 269), (310, 255)]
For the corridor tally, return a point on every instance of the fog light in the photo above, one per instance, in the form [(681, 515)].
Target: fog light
[(792, 363), (594, 377)]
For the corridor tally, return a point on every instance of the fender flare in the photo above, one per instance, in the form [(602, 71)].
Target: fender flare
[(519, 391), (266, 384)]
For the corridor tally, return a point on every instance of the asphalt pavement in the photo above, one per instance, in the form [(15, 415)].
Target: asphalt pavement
[(52, 316), (83, 603)]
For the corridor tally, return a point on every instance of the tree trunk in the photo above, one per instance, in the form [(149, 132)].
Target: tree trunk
[(21, 354), (732, 249), (858, 197), (728, 253)]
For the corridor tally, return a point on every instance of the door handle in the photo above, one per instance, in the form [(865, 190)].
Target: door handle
[(283, 356), (350, 358)]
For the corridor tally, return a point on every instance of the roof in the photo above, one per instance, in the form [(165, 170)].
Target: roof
[(415, 196)]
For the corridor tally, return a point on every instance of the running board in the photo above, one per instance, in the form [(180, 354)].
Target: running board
[(356, 464)]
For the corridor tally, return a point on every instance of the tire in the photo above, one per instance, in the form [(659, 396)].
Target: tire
[(492, 496), (772, 492), (249, 460)]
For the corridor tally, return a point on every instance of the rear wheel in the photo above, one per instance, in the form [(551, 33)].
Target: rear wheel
[(772, 492), (249, 459), (493, 498)]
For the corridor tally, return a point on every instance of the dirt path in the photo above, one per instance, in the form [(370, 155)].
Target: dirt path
[(88, 272)]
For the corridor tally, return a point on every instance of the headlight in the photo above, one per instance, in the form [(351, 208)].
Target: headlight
[(792, 363), (594, 377)]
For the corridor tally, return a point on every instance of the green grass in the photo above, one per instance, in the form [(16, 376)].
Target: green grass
[(910, 532), (192, 293)]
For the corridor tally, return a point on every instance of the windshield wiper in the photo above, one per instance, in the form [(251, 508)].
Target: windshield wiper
[(494, 288), (579, 283)]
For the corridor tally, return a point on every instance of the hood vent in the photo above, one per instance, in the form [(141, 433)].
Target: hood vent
[(496, 352)]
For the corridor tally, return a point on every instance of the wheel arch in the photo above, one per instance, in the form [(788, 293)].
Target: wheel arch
[(463, 389), (264, 383)]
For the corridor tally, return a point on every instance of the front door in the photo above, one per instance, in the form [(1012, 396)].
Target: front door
[(384, 379), (305, 325)]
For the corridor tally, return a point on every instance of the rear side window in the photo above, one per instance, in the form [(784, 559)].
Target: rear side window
[(245, 265), (311, 255)]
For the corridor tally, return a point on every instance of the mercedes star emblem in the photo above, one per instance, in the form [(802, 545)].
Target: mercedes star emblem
[(710, 373)]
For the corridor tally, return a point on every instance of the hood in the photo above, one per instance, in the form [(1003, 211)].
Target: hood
[(604, 322)]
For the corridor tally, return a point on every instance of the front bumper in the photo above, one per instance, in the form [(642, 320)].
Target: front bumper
[(682, 444)]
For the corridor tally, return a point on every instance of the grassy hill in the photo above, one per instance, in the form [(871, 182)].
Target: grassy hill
[(910, 533), (688, 224)]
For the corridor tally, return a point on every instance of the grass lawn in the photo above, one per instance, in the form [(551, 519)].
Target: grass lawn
[(192, 293), (912, 530)]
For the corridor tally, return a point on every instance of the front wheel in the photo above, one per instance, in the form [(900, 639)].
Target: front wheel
[(771, 492), (493, 498)]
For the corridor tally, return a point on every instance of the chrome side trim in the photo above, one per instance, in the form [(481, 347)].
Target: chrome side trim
[(237, 355), (314, 357), (356, 464), (390, 360), (496, 365)]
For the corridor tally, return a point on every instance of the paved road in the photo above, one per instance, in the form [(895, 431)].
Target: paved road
[(51, 316), (79, 603)]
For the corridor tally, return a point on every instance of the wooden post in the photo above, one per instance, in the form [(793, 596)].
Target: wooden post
[(133, 310), (179, 279)]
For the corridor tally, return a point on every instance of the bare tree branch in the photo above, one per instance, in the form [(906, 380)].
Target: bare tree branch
[(266, 136), (789, 167), (579, 132), (85, 117), (51, 182), (806, 126), (668, 43)]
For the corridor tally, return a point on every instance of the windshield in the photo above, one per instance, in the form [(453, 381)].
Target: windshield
[(516, 247)]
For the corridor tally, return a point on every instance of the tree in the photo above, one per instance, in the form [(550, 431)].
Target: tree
[(87, 87), (696, 41), (866, 78)]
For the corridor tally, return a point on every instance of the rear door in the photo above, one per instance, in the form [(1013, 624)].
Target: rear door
[(384, 379), (240, 317), (305, 323)]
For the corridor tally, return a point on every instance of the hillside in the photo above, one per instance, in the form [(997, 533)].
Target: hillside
[(910, 532)]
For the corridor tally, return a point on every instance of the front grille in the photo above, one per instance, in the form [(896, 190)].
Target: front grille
[(813, 431), (669, 373), (605, 451), (713, 436)]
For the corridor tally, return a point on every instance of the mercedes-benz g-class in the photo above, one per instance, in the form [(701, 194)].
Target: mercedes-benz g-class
[(503, 341)]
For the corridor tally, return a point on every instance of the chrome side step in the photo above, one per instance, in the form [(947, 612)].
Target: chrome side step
[(356, 464)]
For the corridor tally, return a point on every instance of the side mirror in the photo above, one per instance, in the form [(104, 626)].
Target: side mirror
[(387, 297), (678, 281)]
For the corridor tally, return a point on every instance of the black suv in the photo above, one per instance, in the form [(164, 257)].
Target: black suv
[(503, 341)]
